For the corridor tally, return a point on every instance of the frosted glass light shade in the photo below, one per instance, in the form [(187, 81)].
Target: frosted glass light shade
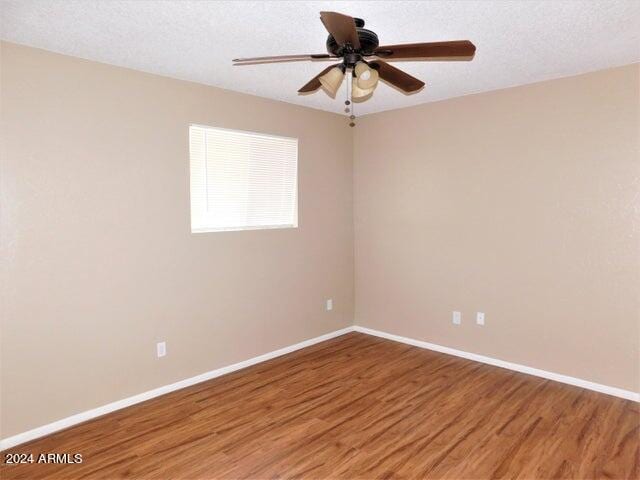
[(358, 93), (367, 76), (332, 80)]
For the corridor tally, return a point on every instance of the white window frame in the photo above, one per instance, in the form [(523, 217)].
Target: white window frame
[(197, 230)]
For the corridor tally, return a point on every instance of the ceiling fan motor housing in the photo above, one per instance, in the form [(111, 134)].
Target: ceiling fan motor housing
[(368, 42)]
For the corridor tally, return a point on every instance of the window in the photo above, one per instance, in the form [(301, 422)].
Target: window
[(242, 180)]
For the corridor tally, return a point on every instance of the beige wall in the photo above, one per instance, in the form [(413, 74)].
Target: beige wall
[(521, 203), (98, 260)]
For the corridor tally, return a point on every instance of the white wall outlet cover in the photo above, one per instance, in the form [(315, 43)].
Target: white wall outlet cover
[(480, 318), (330, 304), (161, 349), (457, 318)]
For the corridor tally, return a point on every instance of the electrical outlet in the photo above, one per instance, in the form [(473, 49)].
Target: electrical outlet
[(330, 304), (480, 318), (457, 318), (161, 349)]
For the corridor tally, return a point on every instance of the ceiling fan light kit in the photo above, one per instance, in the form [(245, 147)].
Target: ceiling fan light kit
[(362, 56)]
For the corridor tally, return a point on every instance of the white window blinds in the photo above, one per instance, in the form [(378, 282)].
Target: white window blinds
[(242, 180)]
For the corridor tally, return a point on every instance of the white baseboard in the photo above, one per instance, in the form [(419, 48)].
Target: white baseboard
[(38, 432), (578, 382)]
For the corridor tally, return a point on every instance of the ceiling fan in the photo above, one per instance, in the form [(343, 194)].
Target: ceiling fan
[(359, 51)]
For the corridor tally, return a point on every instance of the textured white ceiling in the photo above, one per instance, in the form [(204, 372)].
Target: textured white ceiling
[(518, 42)]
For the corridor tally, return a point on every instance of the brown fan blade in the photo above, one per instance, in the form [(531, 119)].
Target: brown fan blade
[(314, 83), (282, 58), (341, 27), (435, 51), (397, 77)]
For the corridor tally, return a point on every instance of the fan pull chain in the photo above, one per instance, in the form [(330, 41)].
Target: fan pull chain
[(347, 103), (352, 117)]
